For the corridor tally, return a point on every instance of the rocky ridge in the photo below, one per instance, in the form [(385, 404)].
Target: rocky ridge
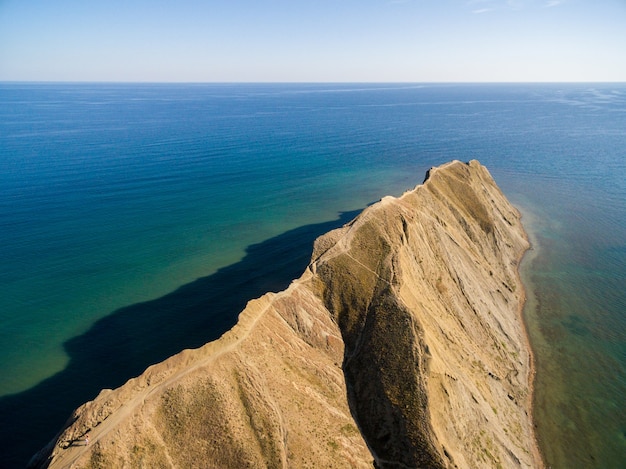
[(401, 345)]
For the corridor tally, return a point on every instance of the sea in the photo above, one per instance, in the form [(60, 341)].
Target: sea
[(136, 220)]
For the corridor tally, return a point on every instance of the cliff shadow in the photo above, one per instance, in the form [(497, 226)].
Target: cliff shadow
[(123, 344)]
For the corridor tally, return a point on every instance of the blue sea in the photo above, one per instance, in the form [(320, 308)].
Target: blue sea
[(136, 220)]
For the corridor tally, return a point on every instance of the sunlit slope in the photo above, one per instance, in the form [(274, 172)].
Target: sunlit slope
[(401, 345)]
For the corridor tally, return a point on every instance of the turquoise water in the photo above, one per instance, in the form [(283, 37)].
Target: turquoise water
[(136, 220)]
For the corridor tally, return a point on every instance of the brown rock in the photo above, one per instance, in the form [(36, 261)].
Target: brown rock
[(404, 332)]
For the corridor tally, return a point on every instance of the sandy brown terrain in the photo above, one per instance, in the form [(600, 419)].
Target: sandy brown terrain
[(401, 345)]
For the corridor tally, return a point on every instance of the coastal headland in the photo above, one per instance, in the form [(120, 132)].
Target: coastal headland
[(401, 345)]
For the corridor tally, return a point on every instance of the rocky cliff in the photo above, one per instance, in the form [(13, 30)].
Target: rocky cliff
[(401, 345)]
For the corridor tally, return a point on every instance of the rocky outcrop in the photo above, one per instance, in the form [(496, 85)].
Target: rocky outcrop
[(401, 345)]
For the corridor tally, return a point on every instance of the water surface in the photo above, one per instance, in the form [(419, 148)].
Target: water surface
[(125, 207)]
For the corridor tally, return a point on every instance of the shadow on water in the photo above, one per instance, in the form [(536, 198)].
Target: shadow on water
[(124, 343)]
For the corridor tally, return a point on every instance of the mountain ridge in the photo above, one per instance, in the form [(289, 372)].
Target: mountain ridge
[(401, 345)]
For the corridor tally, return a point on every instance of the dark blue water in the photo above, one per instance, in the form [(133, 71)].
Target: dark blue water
[(137, 220)]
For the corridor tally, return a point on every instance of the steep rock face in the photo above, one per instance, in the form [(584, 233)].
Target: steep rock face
[(401, 345), (436, 362)]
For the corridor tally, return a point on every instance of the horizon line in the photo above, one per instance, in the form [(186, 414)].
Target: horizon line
[(299, 82)]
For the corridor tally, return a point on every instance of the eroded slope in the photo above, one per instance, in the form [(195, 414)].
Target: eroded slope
[(436, 359), (424, 293)]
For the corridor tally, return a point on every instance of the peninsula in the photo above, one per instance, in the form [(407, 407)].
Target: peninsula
[(401, 346)]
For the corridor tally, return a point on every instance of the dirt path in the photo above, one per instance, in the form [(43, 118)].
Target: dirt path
[(66, 458)]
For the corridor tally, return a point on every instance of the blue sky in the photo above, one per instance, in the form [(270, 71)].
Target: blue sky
[(314, 40)]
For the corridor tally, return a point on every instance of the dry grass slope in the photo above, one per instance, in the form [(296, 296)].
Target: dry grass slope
[(400, 346)]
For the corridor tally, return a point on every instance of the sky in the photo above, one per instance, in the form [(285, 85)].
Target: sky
[(313, 40)]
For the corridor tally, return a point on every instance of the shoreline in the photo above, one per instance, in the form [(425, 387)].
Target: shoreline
[(523, 271)]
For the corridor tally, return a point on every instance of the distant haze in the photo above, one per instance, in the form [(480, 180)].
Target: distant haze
[(324, 40)]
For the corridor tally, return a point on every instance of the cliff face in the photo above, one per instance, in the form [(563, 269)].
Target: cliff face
[(401, 345)]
